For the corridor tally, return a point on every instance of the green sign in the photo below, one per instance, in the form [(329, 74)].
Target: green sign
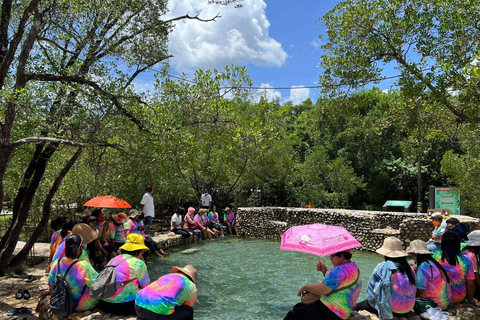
[(397, 203), (447, 198)]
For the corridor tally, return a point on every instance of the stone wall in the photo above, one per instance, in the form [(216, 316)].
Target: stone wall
[(368, 227)]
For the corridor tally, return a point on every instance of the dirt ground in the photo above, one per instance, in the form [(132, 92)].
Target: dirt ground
[(10, 285)]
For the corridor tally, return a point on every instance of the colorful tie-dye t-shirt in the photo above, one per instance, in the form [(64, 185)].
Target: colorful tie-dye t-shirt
[(229, 217), (130, 225), (127, 270), (80, 276), (55, 236), (473, 259), (60, 253), (433, 281), (202, 220), (213, 216), (403, 293), (167, 292), (342, 302), (457, 274), (116, 232)]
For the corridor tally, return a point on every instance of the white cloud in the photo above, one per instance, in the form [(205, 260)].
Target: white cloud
[(316, 43), (298, 94), (240, 36), (268, 93)]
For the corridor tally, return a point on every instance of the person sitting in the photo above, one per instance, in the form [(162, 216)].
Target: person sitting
[(472, 251), (434, 243), (88, 235), (98, 255), (432, 280), (458, 267), (56, 225), (80, 276), (201, 221), (229, 219), (131, 269), (214, 223), (172, 296), (176, 225), (333, 298), (191, 226), (391, 289), (116, 232), (65, 231)]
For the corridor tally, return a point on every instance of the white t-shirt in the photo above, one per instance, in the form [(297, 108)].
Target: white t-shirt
[(178, 220), (206, 199), (147, 201)]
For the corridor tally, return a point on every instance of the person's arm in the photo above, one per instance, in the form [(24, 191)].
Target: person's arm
[(420, 292), (317, 289), (190, 302), (470, 289)]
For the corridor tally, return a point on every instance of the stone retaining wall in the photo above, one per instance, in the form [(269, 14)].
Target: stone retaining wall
[(368, 227)]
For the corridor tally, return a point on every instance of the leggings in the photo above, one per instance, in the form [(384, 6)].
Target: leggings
[(180, 313), (185, 234), (314, 311)]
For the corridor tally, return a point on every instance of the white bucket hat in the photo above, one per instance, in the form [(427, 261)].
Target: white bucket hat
[(392, 247), (474, 238)]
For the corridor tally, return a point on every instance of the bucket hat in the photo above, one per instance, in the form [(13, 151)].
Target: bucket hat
[(133, 213), (418, 247), (188, 270), (134, 242), (474, 238), (86, 232), (227, 209), (120, 217), (392, 247)]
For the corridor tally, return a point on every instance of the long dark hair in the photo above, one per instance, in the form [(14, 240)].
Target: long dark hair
[(421, 258), (68, 226), (403, 266), (450, 247), (72, 243)]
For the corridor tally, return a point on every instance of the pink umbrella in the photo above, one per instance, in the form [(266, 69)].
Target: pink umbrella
[(318, 239)]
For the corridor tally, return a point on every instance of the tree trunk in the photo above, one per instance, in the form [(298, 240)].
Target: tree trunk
[(12, 237), (20, 257)]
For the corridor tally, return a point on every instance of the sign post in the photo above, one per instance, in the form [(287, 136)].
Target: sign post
[(445, 198)]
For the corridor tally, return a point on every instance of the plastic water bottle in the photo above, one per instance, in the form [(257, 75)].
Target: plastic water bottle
[(155, 234)]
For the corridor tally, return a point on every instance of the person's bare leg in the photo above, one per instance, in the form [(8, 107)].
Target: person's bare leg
[(236, 230), (221, 233)]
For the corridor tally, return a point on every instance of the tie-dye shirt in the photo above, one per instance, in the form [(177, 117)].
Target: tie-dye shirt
[(403, 293), (458, 274), (130, 225), (127, 270), (213, 216), (433, 281), (229, 217), (167, 292), (202, 220), (117, 233), (55, 236), (60, 253), (342, 302), (473, 259), (80, 275)]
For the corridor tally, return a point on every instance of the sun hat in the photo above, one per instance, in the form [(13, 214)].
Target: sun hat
[(120, 217), (227, 209), (436, 214), (202, 211), (188, 270), (418, 247), (474, 238), (133, 213), (134, 242), (392, 247), (86, 232)]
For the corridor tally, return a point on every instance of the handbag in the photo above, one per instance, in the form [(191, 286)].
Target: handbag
[(421, 305)]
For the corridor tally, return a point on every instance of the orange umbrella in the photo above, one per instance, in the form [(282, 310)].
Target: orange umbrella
[(107, 202)]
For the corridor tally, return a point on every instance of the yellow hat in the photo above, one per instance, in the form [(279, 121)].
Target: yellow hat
[(134, 242)]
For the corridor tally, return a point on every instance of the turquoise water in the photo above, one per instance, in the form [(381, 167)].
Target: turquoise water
[(250, 278)]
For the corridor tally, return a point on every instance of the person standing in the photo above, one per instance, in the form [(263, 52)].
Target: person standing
[(148, 208), (206, 200)]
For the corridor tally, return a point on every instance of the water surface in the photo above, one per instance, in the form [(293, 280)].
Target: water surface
[(250, 278)]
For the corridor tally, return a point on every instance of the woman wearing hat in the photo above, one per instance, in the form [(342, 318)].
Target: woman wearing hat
[(335, 296), (229, 219), (88, 235), (432, 280), (201, 220), (472, 251), (130, 269), (458, 267), (172, 296), (116, 231), (391, 289)]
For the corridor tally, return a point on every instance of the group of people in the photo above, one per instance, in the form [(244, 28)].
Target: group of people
[(431, 278)]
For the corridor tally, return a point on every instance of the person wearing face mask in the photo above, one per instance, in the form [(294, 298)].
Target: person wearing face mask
[(437, 233)]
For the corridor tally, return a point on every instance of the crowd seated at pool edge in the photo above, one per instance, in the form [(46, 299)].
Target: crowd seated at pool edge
[(427, 284)]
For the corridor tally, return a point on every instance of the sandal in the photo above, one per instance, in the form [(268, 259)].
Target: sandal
[(19, 295), (19, 311), (31, 278), (26, 294)]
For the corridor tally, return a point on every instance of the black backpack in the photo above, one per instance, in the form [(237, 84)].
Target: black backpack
[(61, 302)]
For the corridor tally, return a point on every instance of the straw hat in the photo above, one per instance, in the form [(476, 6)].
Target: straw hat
[(474, 238), (86, 232), (392, 247), (134, 242), (120, 217), (227, 209), (188, 270), (418, 247), (202, 211)]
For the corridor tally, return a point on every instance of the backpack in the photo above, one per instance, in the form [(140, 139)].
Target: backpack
[(105, 285), (61, 302)]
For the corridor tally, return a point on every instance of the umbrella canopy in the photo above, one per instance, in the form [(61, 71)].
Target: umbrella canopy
[(107, 202), (318, 239)]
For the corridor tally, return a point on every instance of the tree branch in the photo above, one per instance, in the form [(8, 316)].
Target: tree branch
[(196, 17), (39, 140)]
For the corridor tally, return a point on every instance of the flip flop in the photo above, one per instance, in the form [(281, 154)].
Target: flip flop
[(19, 294), (26, 294), (31, 278)]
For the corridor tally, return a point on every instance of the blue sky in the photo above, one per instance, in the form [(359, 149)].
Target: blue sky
[(277, 40)]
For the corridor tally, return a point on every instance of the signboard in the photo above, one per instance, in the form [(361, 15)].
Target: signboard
[(447, 198), (397, 203)]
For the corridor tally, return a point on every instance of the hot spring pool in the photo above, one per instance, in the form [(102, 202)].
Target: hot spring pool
[(250, 278)]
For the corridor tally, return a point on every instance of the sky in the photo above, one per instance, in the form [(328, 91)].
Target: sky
[(277, 40)]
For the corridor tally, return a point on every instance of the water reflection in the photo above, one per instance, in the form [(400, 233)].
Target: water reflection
[(250, 278)]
